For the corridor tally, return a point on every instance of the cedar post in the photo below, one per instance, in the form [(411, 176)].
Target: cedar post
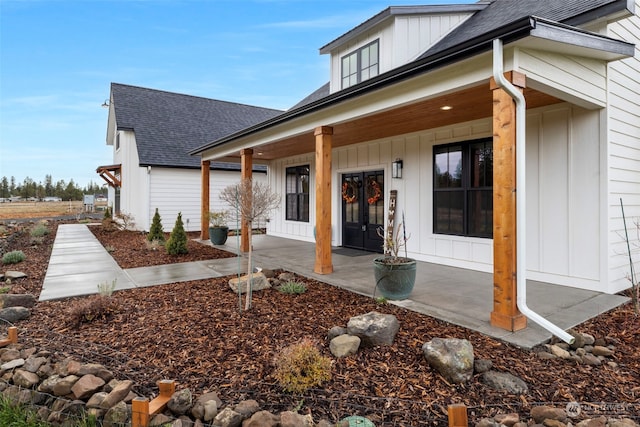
[(204, 199), (246, 167), (505, 312), (140, 412), (458, 415), (323, 136)]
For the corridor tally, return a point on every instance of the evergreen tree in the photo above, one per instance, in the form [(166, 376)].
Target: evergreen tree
[(177, 243), (156, 232)]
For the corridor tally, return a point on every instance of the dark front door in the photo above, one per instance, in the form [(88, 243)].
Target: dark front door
[(363, 210)]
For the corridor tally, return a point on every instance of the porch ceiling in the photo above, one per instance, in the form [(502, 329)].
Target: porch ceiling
[(468, 104)]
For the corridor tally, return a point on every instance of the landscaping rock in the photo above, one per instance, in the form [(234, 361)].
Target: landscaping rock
[(86, 386), (374, 328), (116, 395), (160, 420), (210, 410), (198, 410), (33, 364), (25, 379), (262, 419), (97, 370), (599, 350), (560, 352), (505, 381), (14, 314), (480, 366), (451, 357), (96, 400), (247, 408), (116, 416), (180, 401), (336, 331), (542, 413), (17, 300), (507, 419), (63, 386), (12, 274), (293, 419), (15, 363), (344, 345), (260, 282), (227, 418)]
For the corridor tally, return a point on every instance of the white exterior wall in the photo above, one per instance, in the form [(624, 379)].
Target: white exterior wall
[(579, 80), (402, 40), (134, 194), (174, 190), (622, 157), (563, 195)]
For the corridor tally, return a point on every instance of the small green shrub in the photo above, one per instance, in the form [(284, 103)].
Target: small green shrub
[(292, 287), (13, 257), (5, 289), (39, 230), (301, 366), (107, 213), (92, 308), (156, 232), (177, 243)]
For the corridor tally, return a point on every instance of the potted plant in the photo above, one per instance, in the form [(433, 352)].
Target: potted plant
[(218, 229), (395, 275)]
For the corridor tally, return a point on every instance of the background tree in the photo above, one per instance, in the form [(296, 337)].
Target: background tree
[(251, 201)]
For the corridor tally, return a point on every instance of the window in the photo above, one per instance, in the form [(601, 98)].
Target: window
[(360, 65), (117, 141), (297, 198), (463, 189)]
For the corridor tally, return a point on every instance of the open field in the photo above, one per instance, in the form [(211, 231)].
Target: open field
[(20, 210)]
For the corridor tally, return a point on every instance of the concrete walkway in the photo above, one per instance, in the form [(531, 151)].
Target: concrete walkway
[(462, 297)]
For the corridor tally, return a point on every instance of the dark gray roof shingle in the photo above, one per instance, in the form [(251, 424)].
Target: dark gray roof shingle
[(168, 125)]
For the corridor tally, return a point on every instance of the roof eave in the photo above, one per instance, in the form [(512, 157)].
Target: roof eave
[(529, 28)]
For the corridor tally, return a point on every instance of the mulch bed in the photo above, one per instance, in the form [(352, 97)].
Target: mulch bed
[(194, 333)]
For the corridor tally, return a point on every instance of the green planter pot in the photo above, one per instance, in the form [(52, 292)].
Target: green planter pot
[(218, 235), (395, 281)]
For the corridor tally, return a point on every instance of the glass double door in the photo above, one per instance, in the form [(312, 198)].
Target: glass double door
[(363, 210)]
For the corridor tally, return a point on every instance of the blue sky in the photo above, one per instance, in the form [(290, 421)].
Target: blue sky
[(58, 58)]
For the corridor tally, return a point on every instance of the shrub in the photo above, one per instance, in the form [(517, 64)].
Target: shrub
[(177, 243), (126, 221), (106, 289), (156, 232), (39, 230), (13, 257), (292, 287), (301, 366), (107, 213), (92, 308)]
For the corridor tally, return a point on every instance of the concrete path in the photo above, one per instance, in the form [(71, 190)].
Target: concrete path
[(462, 297)]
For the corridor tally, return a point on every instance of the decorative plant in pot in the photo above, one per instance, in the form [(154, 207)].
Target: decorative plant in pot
[(395, 275), (218, 229)]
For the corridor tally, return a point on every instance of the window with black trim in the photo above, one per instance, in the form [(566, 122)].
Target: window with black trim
[(360, 65), (463, 188), (297, 193)]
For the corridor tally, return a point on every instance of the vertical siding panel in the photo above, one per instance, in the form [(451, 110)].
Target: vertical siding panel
[(554, 192), (533, 194)]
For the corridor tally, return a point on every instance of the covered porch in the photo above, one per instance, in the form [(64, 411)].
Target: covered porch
[(455, 295)]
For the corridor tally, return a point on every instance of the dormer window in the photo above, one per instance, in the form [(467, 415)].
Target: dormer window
[(360, 65)]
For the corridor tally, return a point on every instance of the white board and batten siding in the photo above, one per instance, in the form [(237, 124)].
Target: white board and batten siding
[(623, 153), (174, 190), (402, 40)]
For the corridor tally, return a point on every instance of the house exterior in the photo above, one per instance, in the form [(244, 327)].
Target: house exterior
[(419, 90), (151, 132)]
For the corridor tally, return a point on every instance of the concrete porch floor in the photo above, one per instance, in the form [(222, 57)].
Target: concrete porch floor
[(455, 295)]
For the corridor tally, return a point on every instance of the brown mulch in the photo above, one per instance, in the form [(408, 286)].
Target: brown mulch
[(193, 332)]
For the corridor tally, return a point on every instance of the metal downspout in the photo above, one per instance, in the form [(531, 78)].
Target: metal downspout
[(521, 265)]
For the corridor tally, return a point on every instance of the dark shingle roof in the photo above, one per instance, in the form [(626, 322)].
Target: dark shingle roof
[(168, 125), (319, 93), (503, 12)]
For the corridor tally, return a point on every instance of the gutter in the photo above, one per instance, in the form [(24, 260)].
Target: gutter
[(521, 264)]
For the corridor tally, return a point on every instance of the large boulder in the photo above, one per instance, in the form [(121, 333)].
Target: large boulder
[(451, 357), (14, 314), (374, 328), (180, 401), (504, 381), (260, 282), (17, 300)]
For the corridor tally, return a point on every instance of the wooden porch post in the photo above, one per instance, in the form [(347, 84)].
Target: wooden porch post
[(323, 263), (505, 312), (204, 199), (246, 171)]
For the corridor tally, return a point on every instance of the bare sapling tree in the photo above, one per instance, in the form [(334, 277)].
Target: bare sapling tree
[(251, 201)]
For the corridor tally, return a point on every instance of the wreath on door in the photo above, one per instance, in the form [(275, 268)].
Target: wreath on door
[(374, 192), (349, 191)]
